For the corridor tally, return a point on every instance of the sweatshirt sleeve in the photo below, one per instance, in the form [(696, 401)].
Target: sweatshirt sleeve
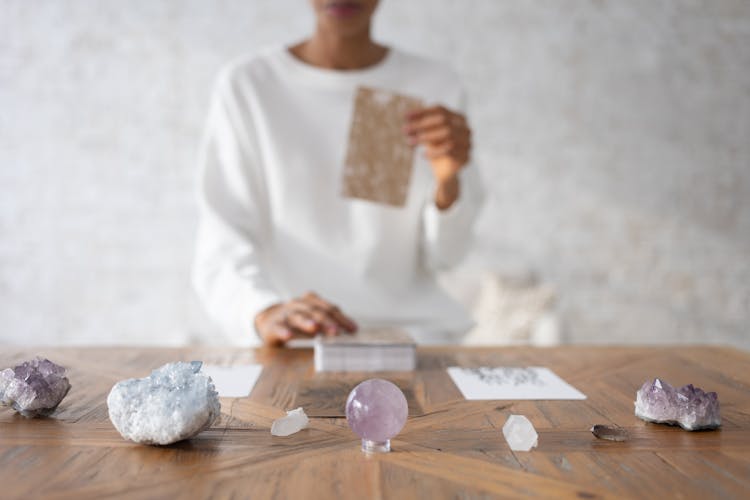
[(228, 272), (447, 234)]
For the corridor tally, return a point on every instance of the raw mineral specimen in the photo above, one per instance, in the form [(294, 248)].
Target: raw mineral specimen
[(175, 402), (520, 433), (295, 421), (689, 407), (34, 387)]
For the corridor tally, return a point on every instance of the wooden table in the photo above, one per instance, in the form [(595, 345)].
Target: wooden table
[(454, 450)]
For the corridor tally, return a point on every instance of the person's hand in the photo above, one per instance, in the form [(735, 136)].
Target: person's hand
[(301, 317), (446, 137)]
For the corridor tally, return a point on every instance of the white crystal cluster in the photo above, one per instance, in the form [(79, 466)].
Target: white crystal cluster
[(175, 402), (294, 421), (520, 433)]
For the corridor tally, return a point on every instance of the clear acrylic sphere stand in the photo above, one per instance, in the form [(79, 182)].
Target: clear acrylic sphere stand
[(369, 446)]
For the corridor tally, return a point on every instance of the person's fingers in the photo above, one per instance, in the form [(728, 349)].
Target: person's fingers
[(342, 319), (455, 130), (441, 134), (440, 149), (433, 117), (282, 332), (426, 122), (268, 325), (328, 325), (274, 333), (332, 311), (298, 303), (306, 307), (437, 134), (457, 151), (337, 315), (415, 115), (311, 296), (302, 321)]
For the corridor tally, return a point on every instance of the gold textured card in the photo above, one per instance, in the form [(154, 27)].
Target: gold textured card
[(379, 158)]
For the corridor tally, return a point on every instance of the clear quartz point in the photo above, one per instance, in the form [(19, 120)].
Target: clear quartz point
[(293, 422), (520, 433)]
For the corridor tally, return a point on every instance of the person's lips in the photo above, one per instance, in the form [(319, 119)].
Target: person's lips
[(343, 9)]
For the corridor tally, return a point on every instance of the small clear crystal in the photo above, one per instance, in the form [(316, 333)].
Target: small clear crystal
[(295, 421), (520, 433)]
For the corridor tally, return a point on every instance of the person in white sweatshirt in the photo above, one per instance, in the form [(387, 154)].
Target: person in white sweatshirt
[(280, 253)]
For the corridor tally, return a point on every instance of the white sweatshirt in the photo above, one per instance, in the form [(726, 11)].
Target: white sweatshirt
[(274, 225)]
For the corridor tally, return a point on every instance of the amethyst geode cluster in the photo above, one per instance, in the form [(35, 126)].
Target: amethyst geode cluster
[(34, 387), (689, 407)]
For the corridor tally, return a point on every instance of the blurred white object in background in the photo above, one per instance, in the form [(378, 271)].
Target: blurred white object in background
[(514, 309), (510, 307)]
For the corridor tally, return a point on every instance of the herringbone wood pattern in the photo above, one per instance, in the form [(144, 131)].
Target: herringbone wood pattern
[(450, 448)]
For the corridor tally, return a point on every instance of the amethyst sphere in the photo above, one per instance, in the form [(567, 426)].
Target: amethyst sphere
[(376, 411)]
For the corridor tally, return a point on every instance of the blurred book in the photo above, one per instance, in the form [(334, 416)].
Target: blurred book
[(368, 350)]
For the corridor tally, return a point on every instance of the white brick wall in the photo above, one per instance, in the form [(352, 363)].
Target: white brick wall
[(615, 137)]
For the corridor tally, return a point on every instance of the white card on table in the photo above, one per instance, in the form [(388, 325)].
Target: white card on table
[(233, 381), (531, 382)]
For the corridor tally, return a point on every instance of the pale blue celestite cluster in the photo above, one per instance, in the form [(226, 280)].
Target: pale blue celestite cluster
[(175, 402)]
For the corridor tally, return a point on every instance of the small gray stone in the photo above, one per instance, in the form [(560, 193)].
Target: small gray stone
[(175, 402), (610, 432), (33, 388)]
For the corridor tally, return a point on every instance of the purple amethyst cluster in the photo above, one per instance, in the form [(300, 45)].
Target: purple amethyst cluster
[(34, 387), (689, 407)]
